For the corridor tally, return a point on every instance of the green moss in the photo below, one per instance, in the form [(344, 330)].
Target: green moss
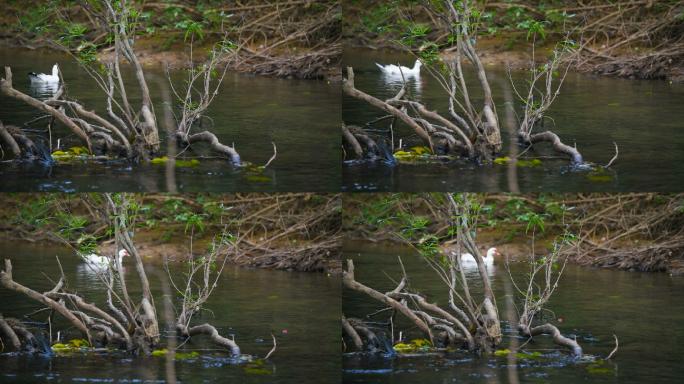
[(187, 355), (403, 155), (420, 150), (404, 348), (79, 151), (179, 163), (187, 163), (599, 367), (420, 343), (79, 343), (518, 355), (529, 163), (73, 345), (413, 345), (258, 178), (519, 162), (178, 356), (600, 175), (528, 356), (257, 367)]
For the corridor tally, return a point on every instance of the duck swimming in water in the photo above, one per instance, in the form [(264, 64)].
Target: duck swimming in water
[(42, 78)]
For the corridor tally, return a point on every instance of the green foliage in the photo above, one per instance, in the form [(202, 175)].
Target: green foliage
[(414, 225), (533, 28), (192, 221), (191, 28), (36, 19)]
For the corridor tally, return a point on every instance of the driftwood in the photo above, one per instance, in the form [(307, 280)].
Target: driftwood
[(210, 330), (9, 141), (9, 334), (349, 88), (552, 330), (7, 281), (8, 90), (351, 332), (351, 283), (213, 141)]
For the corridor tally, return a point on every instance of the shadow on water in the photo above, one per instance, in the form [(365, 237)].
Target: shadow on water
[(646, 312), (301, 309), (643, 117), (300, 116)]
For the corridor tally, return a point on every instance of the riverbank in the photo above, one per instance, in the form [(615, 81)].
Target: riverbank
[(499, 52), (286, 41), (296, 232), (633, 232), (648, 46)]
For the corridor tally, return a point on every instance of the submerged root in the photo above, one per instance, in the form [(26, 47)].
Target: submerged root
[(557, 144), (214, 143), (9, 335), (558, 338), (212, 332)]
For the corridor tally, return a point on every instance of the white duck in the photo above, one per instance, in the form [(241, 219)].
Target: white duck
[(97, 263), (397, 70), (43, 78), (468, 261)]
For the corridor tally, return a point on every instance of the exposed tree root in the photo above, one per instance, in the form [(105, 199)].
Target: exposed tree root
[(8, 90), (213, 141), (210, 330), (549, 329), (9, 335), (350, 331), (558, 146), (9, 141)]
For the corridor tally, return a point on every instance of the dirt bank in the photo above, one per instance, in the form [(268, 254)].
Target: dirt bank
[(298, 232), (299, 39), (629, 255)]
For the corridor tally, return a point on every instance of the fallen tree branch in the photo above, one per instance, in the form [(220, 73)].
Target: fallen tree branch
[(272, 349), (349, 89), (9, 140), (214, 143), (549, 329), (558, 145), (349, 282), (7, 282), (9, 333), (210, 330), (351, 332), (610, 356), (7, 89)]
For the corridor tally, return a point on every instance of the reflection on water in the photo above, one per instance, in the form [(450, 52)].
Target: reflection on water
[(301, 117), (301, 309), (646, 312), (590, 112), (43, 90)]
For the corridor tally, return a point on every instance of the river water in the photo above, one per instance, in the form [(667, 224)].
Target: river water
[(301, 309), (645, 311), (300, 116), (644, 118)]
